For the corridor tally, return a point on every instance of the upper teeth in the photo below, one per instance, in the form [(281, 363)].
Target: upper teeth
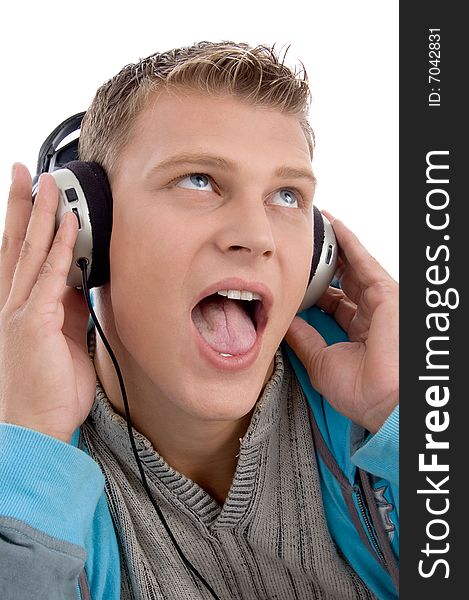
[(239, 295)]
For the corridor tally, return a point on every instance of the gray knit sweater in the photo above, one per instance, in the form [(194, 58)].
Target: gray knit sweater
[(268, 541)]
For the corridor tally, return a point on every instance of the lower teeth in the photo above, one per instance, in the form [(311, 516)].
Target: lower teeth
[(222, 354)]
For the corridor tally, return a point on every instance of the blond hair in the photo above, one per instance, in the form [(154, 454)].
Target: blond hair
[(255, 74)]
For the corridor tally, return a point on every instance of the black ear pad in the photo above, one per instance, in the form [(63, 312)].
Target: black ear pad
[(318, 225), (97, 190)]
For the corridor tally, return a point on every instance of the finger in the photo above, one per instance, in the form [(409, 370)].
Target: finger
[(52, 278), (304, 340), (18, 213), (37, 242), (349, 281), (337, 304), (366, 267), (76, 316)]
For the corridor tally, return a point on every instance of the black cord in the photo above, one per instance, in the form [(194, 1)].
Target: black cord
[(82, 263)]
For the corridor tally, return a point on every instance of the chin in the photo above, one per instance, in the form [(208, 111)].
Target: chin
[(225, 397)]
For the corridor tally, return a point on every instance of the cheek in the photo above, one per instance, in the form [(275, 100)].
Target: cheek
[(151, 261), (138, 279), (294, 275), (299, 259), (301, 269), (146, 250)]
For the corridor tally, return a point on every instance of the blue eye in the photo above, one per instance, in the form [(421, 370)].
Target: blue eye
[(196, 181), (286, 198)]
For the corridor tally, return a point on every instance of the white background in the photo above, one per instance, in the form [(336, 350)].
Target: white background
[(55, 54)]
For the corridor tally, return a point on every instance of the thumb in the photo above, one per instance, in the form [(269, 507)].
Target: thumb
[(305, 342), (76, 315)]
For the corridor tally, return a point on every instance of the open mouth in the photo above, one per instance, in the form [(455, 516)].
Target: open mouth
[(230, 321)]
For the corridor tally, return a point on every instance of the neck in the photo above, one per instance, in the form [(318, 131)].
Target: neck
[(205, 451)]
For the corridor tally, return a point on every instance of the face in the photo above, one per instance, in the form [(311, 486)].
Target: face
[(213, 194)]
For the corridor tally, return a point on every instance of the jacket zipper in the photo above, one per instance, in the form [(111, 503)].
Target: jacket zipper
[(371, 535)]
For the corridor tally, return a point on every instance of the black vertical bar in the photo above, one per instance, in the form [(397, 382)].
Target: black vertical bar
[(434, 266)]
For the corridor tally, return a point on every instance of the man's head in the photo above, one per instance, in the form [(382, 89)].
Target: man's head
[(208, 152)]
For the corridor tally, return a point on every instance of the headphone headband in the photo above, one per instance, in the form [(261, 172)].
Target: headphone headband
[(48, 153)]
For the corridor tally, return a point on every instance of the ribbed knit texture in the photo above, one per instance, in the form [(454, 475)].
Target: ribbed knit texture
[(269, 540)]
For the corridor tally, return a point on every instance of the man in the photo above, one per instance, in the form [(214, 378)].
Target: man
[(208, 154)]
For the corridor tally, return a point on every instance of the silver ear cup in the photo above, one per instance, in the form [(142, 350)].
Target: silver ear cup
[(325, 270), (84, 189), (72, 199)]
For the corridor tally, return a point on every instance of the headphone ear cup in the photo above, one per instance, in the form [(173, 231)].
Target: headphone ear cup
[(324, 261), (98, 198)]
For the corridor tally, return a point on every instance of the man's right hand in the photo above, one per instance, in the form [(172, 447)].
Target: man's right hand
[(47, 380)]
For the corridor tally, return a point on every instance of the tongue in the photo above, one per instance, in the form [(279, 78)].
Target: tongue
[(224, 325)]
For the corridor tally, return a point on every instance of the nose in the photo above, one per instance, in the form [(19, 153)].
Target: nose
[(247, 229)]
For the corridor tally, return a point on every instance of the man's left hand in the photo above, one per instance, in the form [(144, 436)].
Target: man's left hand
[(359, 378)]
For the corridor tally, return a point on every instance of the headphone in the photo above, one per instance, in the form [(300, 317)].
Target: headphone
[(84, 190)]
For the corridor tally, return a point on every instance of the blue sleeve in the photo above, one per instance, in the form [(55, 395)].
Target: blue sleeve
[(379, 453), (49, 491)]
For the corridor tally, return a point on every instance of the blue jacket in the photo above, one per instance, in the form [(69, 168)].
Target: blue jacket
[(359, 476), (52, 502)]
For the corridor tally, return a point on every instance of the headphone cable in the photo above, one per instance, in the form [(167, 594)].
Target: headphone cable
[(82, 263)]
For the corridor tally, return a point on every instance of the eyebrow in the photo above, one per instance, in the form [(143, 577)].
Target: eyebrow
[(293, 173), (227, 165)]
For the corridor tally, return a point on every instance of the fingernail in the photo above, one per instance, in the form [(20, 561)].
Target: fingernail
[(63, 220), (13, 171), (39, 181), (328, 215)]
